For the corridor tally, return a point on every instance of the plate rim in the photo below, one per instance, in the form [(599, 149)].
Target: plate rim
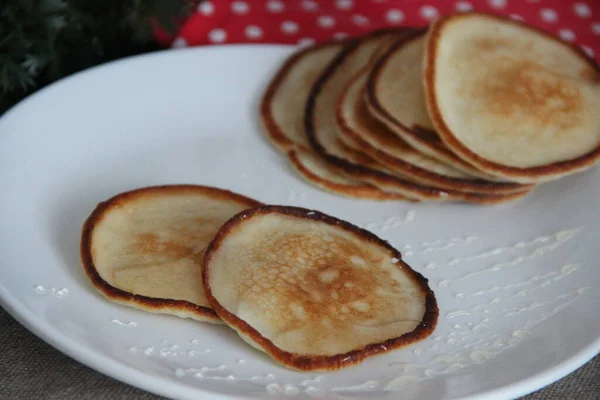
[(102, 363)]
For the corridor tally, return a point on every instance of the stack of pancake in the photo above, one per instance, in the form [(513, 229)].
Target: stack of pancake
[(475, 108)]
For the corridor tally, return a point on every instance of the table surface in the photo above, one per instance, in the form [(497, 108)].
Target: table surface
[(31, 369)]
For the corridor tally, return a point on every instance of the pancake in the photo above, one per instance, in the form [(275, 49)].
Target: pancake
[(317, 172), (282, 116), (144, 248), (381, 49), (366, 133), (512, 100), (312, 291), (322, 133), (395, 97), (282, 105)]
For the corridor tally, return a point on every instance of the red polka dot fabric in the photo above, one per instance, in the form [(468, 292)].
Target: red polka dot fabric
[(309, 21)]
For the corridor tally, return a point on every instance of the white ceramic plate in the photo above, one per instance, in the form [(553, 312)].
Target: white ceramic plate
[(516, 283)]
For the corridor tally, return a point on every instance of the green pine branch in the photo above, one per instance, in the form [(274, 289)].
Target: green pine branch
[(44, 40)]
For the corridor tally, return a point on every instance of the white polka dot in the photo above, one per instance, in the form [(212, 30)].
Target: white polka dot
[(289, 27), (360, 20), (217, 35), (548, 15), (428, 12), (325, 21), (343, 4), (497, 3), (253, 32), (340, 35), (582, 10), (394, 16), (566, 34), (306, 41), (596, 28), (240, 7), (179, 43), (463, 6), (206, 8), (588, 50), (310, 5), (517, 17), (275, 6)]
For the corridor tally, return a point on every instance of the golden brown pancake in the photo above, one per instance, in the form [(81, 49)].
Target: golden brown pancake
[(282, 113), (282, 106), (322, 132), (144, 248), (381, 49), (369, 135), (318, 172), (512, 100), (312, 291), (395, 97)]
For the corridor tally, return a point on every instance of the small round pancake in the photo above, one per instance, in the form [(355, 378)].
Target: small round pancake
[(319, 173), (376, 140), (383, 47), (282, 105), (312, 291), (322, 132), (395, 96), (512, 100), (144, 248), (282, 116)]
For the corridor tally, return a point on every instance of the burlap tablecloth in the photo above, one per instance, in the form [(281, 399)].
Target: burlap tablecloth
[(32, 370)]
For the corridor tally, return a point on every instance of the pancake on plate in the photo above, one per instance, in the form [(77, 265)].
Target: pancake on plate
[(512, 100), (282, 105), (144, 248), (319, 173), (312, 291)]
